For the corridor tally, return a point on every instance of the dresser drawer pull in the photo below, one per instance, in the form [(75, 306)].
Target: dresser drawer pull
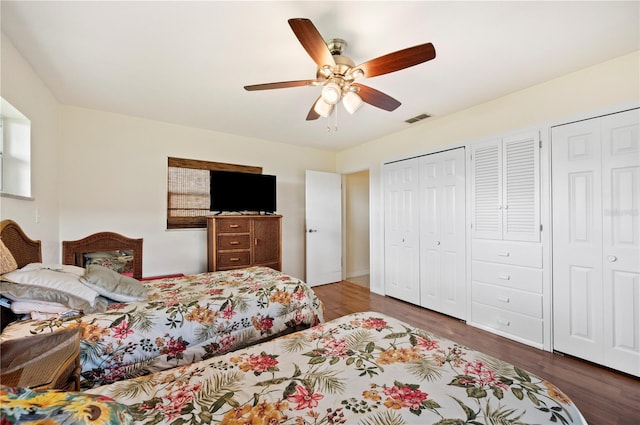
[(504, 299), (503, 253), (505, 277), (502, 322), (234, 226), (234, 243), (234, 259)]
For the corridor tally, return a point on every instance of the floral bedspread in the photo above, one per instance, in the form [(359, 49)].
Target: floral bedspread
[(186, 319), (25, 406), (365, 368)]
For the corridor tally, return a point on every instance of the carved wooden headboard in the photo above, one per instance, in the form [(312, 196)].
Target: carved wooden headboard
[(73, 251)]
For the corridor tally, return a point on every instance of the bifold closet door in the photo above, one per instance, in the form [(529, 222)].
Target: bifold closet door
[(596, 240), (442, 233), (402, 237)]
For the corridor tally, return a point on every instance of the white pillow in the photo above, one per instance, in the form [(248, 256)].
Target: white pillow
[(26, 307), (60, 278)]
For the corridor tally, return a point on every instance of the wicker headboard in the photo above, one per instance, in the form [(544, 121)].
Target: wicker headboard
[(24, 249), (73, 251)]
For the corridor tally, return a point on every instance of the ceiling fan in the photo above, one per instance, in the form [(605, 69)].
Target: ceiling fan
[(338, 73)]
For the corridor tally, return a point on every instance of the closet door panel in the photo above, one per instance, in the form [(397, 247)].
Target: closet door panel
[(577, 239), (402, 274), (486, 193), (521, 188), (442, 233), (621, 240), (430, 232)]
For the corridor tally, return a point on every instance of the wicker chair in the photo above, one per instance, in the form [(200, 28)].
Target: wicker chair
[(44, 361)]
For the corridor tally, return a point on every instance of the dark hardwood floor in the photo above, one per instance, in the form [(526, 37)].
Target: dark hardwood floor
[(604, 397)]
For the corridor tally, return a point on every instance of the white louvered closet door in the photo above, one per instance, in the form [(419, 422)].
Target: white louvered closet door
[(486, 194), (402, 236), (521, 188), (505, 192)]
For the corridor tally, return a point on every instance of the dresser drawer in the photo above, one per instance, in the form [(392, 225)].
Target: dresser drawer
[(516, 253), (515, 324), (233, 259), (232, 225), (233, 242), (516, 277), (507, 299)]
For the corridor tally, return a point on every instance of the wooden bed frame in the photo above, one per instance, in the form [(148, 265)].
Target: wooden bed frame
[(26, 250), (73, 251)]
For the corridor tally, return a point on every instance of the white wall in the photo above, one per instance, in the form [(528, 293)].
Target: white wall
[(21, 87), (356, 213), (114, 172), (591, 90)]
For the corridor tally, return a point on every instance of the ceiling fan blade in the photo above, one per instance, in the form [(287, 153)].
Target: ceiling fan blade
[(312, 41), (313, 115), (398, 60), (280, 85), (376, 98)]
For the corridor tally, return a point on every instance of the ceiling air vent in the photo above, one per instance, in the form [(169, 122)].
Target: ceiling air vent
[(417, 118)]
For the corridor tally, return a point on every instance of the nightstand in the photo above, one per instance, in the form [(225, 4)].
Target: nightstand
[(44, 361)]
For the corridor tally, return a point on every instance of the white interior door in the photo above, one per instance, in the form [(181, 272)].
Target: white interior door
[(401, 234), (442, 233), (596, 240), (323, 210), (577, 240), (621, 240)]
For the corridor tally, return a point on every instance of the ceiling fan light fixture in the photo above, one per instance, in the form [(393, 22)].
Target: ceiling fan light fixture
[(357, 73), (331, 93), (322, 108), (352, 102)]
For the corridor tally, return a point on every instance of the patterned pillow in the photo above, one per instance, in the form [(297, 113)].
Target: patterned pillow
[(7, 262), (113, 285)]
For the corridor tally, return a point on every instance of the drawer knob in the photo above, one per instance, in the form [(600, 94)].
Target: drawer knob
[(234, 259), (613, 258), (503, 253), (504, 299), (502, 322), (505, 277), (234, 226), (234, 243)]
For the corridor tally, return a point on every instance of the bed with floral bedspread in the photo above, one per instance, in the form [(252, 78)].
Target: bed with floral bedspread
[(185, 319), (365, 368)]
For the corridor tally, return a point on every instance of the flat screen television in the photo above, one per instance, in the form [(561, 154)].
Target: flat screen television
[(234, 191)]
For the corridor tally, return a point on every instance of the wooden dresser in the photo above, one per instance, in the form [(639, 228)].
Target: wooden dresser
[(237, 241)]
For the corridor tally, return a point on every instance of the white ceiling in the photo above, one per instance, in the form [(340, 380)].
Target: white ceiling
[(186, 62)]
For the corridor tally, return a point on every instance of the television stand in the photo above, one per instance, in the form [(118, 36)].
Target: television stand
[(236, 241)]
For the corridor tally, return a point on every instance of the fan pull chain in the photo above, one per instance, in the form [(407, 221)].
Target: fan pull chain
[(335, 128)]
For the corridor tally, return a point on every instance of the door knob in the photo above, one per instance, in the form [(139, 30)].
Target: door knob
[(613, 258)]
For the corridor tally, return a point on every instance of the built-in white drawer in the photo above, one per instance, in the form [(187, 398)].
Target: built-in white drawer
[(507, 252), (519, 325), (516, 277), (507, 299)]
